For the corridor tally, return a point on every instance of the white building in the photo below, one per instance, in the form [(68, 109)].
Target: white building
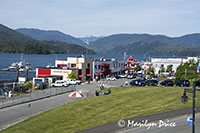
[(174, 62), (81, 64), (104, 67)]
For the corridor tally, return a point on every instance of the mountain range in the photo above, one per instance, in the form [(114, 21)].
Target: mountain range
[(135, 44), (49, 35), (14, 42), (90, 38), (141, 44)]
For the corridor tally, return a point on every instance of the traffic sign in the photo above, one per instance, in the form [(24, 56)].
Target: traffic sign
[(189, 120)]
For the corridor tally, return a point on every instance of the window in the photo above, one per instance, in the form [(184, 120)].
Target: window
[(95, 66), (88, 65), (99, 67), (73, 65)]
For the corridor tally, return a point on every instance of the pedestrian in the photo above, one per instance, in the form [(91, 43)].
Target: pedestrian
[(96, 93), (5, 94), (126, 82), (10, 94)]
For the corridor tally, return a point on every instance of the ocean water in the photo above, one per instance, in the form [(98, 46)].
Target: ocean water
[(6, 59)]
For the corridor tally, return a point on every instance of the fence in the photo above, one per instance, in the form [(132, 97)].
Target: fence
[(33, 96)]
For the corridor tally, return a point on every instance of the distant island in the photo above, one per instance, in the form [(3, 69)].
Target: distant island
[(14, 42)]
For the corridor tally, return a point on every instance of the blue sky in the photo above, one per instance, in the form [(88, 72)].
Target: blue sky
[(104, 17)]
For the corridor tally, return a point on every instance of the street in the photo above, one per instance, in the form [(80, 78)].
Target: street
[(181, 126), (17, 113)]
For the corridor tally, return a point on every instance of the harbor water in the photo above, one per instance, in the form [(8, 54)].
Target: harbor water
[(40, 60)]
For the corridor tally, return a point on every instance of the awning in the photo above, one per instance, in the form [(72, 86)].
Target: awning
[(80, 76), (88, 74), (105, 64)]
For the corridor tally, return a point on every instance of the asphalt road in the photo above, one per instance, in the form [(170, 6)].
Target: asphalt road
[(15, 114), (181, 126)]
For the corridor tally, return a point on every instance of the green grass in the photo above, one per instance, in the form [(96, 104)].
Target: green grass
[(122, 103)]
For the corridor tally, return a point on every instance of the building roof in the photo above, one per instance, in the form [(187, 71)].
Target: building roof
[(130, 58)]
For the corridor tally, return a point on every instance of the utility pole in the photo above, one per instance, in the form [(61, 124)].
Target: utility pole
[(185, 73), (87, 43), (17, 73), (26, 75)]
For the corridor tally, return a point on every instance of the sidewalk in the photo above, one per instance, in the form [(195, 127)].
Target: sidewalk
[(37, 95), (14, 114)]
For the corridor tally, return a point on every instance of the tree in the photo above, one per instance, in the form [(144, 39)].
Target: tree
[(137, 68), (186, 70), (72, 75), (150, 71), (162, 69), (169, 68)]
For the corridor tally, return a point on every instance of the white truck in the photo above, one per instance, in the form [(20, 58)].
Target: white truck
[(73, 81), (60, 83)]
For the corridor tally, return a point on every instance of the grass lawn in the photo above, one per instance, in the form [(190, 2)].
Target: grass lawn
[(122, 103)]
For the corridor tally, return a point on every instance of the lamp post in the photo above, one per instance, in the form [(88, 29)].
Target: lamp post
[(185, 98)]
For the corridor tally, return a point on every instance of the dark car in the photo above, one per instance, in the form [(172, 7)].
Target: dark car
[(117, 77), (198, 83), (182, 83), (151, 82), (167, 82), (137, 82)]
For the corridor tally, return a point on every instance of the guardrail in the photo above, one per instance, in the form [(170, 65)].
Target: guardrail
[(34, 96)]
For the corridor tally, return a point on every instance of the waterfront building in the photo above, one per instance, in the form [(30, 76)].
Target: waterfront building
[(131, 63), (174, 62), (81, 66), (106, 67)]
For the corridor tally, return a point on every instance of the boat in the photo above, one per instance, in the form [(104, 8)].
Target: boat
[(13, 67), (22, 66), (19, 65)]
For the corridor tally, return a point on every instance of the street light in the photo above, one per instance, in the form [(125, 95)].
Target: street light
[(184, 98)]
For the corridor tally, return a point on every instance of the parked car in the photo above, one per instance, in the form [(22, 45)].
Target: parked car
[(117, 77), (167, 82), (182, 83), (137, 82), (111, 78), (122, 76), (198, 83), (151, 82), (60, 83), (73, 81), (130, 77)]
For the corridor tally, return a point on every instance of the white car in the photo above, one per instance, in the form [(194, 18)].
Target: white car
[(73, 81), (122, 76), (60, 83), (111, 78)]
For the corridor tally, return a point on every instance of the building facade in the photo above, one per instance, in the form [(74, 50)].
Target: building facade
[(105, 67), (80, 65), (174, 62)]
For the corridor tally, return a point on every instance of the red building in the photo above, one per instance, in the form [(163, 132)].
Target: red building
[(131, 63)]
